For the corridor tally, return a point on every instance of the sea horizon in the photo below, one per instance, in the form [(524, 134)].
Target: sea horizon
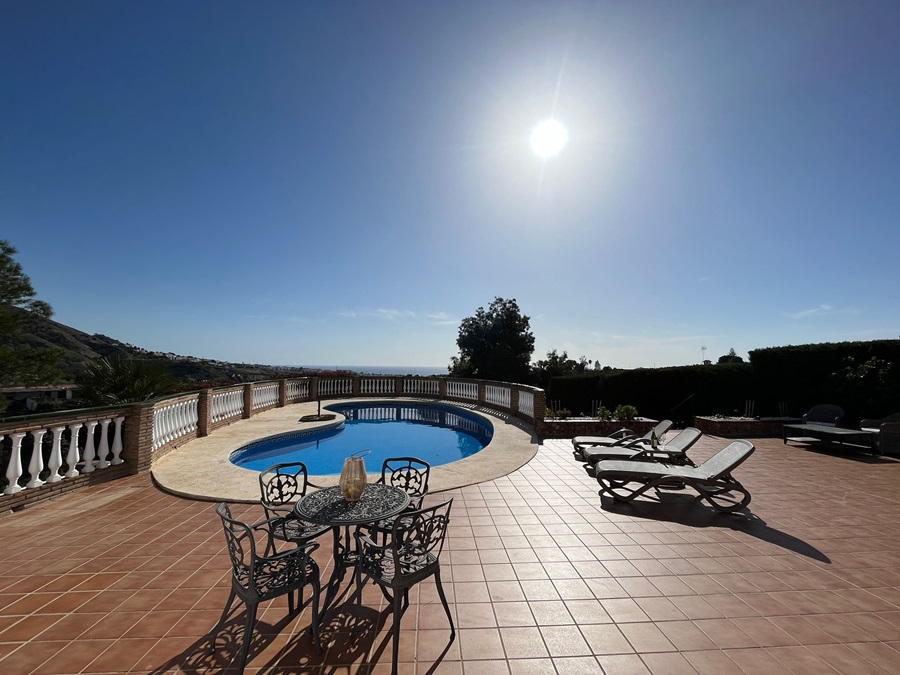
[(384, 370)]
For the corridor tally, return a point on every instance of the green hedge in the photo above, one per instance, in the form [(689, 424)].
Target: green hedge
[(861, 377)]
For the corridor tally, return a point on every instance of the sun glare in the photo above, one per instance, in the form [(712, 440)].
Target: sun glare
[(548, 138)]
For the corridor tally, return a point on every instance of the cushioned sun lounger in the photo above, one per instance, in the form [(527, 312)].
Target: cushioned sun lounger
[(640, 450), (712, 479), (621, 437)]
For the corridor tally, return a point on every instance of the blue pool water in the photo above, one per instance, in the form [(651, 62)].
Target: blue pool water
[(438, 434)]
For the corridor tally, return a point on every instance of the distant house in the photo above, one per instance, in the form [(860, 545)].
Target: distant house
[(33, 396)]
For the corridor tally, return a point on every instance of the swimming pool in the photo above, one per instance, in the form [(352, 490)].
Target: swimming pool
[(436, 433)]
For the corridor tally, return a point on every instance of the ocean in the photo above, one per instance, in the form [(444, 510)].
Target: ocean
[(385, 370)]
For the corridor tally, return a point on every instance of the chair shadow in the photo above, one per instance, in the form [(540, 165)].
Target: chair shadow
[(690, 510), (349, 632), (204, 657)]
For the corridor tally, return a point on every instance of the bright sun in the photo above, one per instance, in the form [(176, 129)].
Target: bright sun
[(548, 138)]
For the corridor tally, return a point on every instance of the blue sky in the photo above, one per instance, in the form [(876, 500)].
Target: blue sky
[(343, 183)]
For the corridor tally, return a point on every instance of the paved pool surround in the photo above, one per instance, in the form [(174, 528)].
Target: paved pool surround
[(201, 468)]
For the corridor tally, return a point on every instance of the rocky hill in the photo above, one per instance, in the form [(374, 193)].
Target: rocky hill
[(79, 348)]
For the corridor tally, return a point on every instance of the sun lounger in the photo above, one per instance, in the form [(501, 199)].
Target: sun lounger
[(712, 479), (620, 437), (640, 450)]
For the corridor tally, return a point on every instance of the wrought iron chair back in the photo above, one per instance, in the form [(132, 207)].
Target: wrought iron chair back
[(410, 474), (283, 484), (416, 542), (279, 487), (256, 578), (410, 555)]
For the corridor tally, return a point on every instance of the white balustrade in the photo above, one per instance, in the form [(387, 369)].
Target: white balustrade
[(227, 404), (297, 389), (14, 469), (335, 387), (526, 403), (37, 459), (55, 461), (88, 453), (265, 396), (72, 454), (466, 390), (379, 385), (422, 387), (117, 442), (498, 396), (172, 421), (103, 448)]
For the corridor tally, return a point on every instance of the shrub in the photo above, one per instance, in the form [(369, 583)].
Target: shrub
[(625, 413)]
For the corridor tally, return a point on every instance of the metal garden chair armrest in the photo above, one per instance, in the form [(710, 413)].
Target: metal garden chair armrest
[(302, 551)]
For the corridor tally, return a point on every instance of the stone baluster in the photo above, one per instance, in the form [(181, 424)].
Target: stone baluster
[(103, 449), (37, 459), (14, 469), (117, 442), (72, 454), (56, 456), (88, 454)]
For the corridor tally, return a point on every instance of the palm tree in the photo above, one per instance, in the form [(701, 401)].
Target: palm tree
[(120, 380)]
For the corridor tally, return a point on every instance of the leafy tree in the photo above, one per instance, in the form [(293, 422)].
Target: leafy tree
[(730, 357), (495, 344), (120, 380), (20, 364), (557, 365)]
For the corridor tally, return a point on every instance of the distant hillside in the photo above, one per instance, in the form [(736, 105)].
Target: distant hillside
[(80, 348)]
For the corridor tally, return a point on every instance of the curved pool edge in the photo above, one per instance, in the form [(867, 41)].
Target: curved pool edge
[(201, 469)]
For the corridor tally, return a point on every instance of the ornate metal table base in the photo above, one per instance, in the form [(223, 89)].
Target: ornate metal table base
[(328, 507)]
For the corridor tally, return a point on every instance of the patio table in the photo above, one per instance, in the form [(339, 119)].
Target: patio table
[(328, 507), (810, 433)]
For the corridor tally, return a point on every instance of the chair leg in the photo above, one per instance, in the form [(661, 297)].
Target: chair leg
[(215, 633), (248, 636), (440, 589), (398, 611), (314, 623)]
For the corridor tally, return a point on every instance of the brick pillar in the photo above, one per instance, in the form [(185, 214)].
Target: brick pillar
[(514, 401), (138, 438), (481, 392), (540, 407), (204, 412), (398, 386), (355, 387), (248, 400), (442, 388), (313, 388), (282, 393)]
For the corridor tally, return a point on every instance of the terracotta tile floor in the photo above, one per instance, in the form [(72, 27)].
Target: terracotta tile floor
[(541, 577)]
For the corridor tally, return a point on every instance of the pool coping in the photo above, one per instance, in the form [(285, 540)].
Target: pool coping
[(201, 469)]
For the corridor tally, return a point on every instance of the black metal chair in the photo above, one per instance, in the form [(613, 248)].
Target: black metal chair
[(410, 474), (279, 487), (411, 554), (256, 578)]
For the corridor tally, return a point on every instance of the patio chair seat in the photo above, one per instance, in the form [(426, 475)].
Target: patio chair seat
[(620, 437), (712, 479), (673, 452)]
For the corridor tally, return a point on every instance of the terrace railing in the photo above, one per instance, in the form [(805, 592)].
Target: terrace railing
[(41, 456), (173, 420), (48, 453)]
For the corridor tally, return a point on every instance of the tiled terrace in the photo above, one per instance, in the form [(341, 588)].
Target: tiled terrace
[(543, 579)]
